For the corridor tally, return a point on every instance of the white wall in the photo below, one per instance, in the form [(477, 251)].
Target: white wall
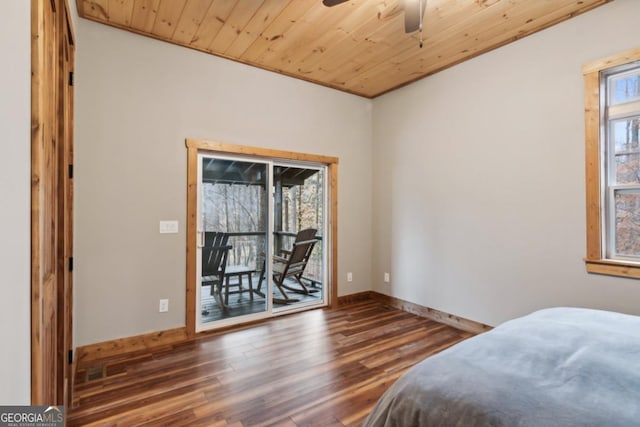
[(479, 208), (15, 116), (137, 99)]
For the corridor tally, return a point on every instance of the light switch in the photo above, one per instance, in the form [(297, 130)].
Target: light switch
[(167, 227)]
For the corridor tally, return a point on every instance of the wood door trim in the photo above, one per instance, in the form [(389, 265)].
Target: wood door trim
[(52, 56), (193, 147), (37, 98), (223, 147), (192, 224)]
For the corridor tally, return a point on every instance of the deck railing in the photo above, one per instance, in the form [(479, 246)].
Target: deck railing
[(248, 248)]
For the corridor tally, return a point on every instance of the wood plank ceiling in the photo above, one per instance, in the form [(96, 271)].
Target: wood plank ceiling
[(359, 46)]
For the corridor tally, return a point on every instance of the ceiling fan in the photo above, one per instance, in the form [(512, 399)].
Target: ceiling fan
[(413, 14)]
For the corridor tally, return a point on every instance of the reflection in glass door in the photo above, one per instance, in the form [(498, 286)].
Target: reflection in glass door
[(233, 213)]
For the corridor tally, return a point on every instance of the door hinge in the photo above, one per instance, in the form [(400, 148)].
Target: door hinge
[(70, 357), (70, 171), (70, 263), (70, 78)]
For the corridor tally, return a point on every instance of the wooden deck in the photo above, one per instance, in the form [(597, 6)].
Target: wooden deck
[(321, 367), (240, 304)]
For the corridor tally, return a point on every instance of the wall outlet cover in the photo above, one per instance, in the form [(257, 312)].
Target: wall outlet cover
[(168, 227)]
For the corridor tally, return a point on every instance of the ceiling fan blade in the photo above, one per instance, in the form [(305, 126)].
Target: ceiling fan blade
[(413, 11), (330, 3)]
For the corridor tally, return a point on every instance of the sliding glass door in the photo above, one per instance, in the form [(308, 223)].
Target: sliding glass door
[(298, 263), (232, 239), (260, 239)]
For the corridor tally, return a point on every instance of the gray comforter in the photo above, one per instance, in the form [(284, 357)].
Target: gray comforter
[(554, 367)]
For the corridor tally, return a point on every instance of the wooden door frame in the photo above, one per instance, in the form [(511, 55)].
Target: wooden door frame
[(194, 146), (52, 61), (65, 208)]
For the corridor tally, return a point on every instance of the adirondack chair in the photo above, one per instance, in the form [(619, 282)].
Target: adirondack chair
[(291, 264), (214, 263)]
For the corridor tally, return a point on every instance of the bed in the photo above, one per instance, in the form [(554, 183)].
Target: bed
[(554, 367)]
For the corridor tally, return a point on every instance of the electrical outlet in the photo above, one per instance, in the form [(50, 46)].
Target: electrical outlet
[(164, 306), (349, 277), (387, 278)]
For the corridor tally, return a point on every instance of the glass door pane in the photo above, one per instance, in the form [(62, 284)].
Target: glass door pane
[(299, 247), (233, 218)]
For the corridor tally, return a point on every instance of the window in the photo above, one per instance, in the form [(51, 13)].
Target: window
[(612, 132)]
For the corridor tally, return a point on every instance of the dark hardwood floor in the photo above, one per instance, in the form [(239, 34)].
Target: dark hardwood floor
[(317, 368)]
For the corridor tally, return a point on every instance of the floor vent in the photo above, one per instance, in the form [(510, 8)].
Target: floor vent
[(95, 373)]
